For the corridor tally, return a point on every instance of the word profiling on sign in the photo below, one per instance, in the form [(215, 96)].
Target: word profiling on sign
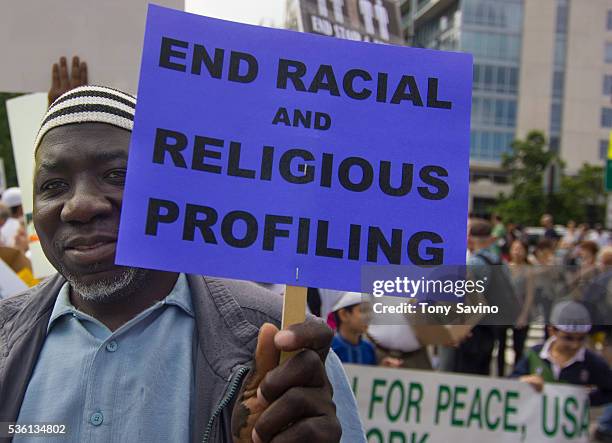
[(276, 156)]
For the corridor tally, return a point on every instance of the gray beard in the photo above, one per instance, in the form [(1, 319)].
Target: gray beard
[(126, 284)]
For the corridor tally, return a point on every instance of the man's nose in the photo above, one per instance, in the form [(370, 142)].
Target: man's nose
[(87, 202)]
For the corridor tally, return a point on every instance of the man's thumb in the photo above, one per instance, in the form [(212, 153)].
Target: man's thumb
[(248, 408), (266, 358)]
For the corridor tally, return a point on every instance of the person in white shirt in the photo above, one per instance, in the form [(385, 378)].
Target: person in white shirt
[(11, 197), (5, 214)]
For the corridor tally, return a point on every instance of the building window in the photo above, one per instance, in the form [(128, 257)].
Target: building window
[(495, 14), (421, 4), (502, 79), (608, 52), (560, 51), (558, 80), (491, 45), (514, 74), (609, 23), (607, 85), (555, 117), (606, 117), (494, 112), (488, 78), (562, 13), (554, 143), (603, 149), (476, 79), (511, 116), (500, 112), (486, 145)]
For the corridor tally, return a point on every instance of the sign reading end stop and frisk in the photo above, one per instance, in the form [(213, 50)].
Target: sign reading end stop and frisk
[(271, 155)]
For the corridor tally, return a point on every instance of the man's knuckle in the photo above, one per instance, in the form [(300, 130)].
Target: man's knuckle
[(311, 360), (269, 386), (312, 430), (335, 431), (262, 427), (327, 333), (296, 397)]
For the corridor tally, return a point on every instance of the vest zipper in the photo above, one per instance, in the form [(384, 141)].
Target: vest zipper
[(235, 382)]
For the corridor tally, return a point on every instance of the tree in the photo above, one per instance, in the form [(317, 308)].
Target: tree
[(580, 197), (6, 148), (526, 164), (583, 195)]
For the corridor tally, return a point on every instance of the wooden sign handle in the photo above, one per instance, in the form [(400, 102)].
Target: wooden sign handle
[(294, 311)]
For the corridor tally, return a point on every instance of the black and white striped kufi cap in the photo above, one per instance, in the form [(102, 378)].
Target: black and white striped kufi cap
[(89, 104)]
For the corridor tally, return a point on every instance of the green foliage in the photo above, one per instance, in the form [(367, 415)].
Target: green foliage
[(526, 163), (6, 148), (583, 195), (580, 197)]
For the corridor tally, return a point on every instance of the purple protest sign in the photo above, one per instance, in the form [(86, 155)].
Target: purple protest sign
[(270, 155)]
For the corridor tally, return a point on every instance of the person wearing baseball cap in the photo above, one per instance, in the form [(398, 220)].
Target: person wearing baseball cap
[(564, 358), (351, 318)]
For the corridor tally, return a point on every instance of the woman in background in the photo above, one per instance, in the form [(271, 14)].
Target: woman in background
[(523, 281)]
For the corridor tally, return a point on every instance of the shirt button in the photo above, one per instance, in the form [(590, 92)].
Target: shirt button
[(96, 418), (112, 346)]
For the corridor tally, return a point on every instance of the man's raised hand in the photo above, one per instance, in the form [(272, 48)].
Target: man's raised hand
[(63, 81)]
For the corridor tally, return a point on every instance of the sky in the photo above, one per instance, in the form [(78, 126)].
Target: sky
[(244, 11)]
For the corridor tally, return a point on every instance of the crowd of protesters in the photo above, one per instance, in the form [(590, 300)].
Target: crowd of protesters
[(554, 269), (561, 278)]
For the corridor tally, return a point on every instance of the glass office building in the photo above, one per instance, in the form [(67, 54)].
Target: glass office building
[(491, 31), (538, 64)]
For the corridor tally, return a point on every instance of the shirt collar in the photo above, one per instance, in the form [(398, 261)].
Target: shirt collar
[(346, 342), (545, 353), (180, 296)]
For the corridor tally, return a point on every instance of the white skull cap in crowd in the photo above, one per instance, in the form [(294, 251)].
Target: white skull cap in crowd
[(350, 299), (570, 316), (89, 104), (11, 197)]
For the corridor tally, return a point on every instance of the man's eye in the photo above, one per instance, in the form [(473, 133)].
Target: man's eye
[(53, 185), (116, 174)]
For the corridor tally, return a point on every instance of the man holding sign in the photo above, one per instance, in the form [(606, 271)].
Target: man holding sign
[(116, 353)]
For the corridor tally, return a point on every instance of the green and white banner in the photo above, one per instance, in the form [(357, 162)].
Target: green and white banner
[(408, 406)]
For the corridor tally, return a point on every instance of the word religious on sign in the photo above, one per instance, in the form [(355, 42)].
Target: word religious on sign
[(270, 155)]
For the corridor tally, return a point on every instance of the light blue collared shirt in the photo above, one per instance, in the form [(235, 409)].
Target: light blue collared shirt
[(130, 385)]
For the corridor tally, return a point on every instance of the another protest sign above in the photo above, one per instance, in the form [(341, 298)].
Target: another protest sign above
[(24, 115), (108, 35), (361, 20), (277, 156), (10, 283)]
